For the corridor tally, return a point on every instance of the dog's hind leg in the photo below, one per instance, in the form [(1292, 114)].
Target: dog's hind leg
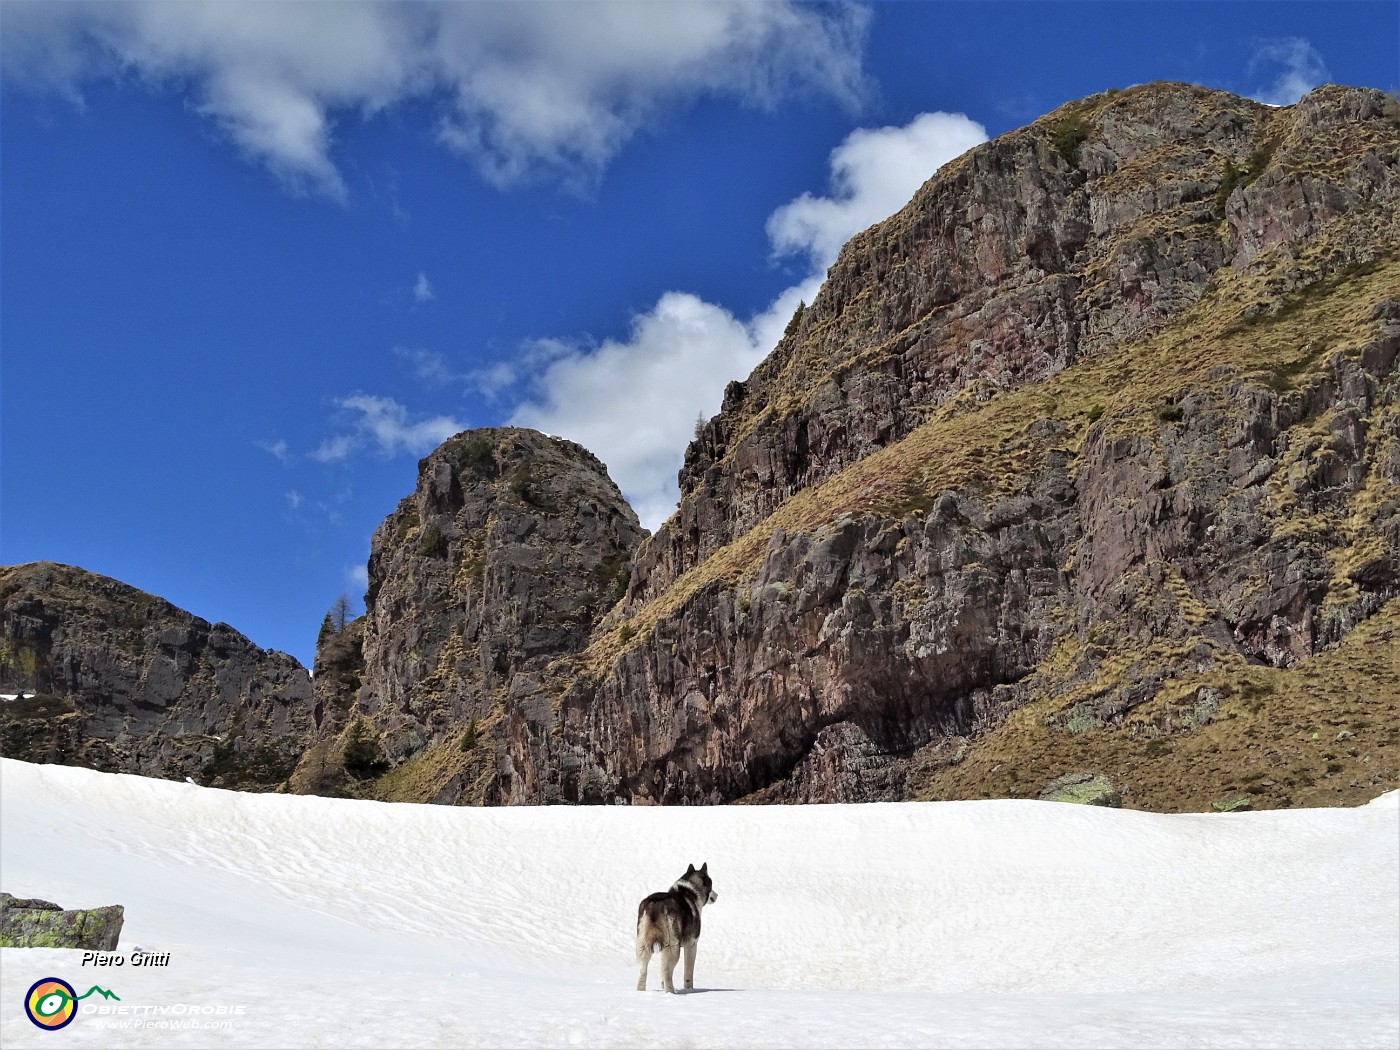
[(643, 958), (670, 955), (690, 947)]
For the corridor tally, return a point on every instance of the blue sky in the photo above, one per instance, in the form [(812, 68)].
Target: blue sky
[(256, 259)]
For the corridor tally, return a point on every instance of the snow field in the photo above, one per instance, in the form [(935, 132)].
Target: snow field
[(1007, 923)]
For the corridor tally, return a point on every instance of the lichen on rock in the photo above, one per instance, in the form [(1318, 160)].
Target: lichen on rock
[(29, 923), (1086, 789)]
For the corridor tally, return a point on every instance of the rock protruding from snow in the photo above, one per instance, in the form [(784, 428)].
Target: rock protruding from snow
[(1087, 789), (29, 923)]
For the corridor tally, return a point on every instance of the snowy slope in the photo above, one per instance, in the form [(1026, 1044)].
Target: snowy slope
[(321, 922)]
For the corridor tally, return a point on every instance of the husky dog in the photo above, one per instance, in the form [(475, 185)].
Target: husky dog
[(670, 921)]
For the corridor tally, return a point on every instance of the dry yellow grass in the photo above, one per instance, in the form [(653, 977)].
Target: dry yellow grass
[(1326, 733), (424, 776)]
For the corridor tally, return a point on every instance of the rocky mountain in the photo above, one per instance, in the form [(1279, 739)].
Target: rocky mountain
[(481, 583), (1084, 461), (1088, 450), (1083, 468), (1088, 456), (123, 681)]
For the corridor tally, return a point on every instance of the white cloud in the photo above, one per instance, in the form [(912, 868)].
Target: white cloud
[(388, 421), (334, 449), (429, 366), (357, 576), (270, 75), (277, 449), (563, 86), (423, 289), (383, 423), (531, 357), (634, 402), (496, 378), (529, 87), (874, 172), (294, 499), (1300, 69), (493, 380)]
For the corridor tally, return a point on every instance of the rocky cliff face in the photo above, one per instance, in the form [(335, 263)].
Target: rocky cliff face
[(1099, 431), (498, 566), (128, 683), (1088, 229)]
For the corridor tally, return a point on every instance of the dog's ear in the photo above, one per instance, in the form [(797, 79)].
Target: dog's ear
[(703, 868), (690, 869)]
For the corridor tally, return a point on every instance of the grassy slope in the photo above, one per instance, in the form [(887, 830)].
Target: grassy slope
[(1324, 734)]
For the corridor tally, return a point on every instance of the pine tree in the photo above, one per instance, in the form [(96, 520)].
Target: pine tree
[(340, 613), (362, 756), (796, 319)]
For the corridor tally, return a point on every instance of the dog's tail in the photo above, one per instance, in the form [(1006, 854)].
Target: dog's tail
[(650, 930)]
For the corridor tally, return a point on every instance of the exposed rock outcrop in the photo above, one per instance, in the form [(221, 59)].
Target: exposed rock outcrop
[(1093, 443), (338, 672), (43, 924), (128, 683), (1084, 789), (500, 564), (1086, 446)]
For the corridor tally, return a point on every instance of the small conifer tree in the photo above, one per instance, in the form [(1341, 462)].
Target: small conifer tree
[(796, 318), (362, 756), (340, 613)]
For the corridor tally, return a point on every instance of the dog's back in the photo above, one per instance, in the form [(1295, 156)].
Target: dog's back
[(666, 920), (669, 922)]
